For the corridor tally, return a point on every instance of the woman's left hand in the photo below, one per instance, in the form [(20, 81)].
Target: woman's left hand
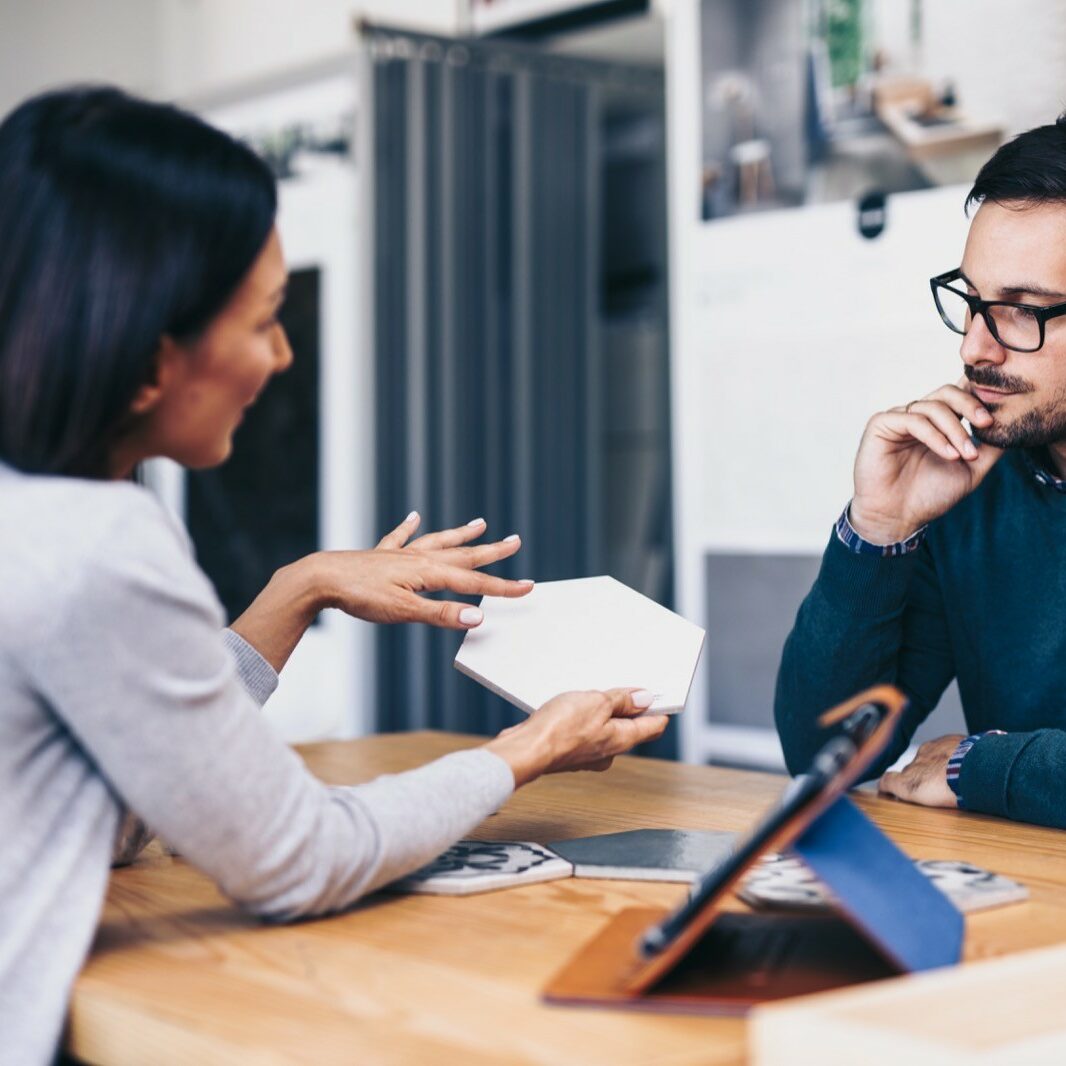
[(380, 585), (384, 584)]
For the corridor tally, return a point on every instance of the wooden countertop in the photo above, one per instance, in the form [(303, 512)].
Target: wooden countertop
[(179, 975)]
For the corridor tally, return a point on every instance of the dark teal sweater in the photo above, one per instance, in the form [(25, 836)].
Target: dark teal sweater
[(982, 600)]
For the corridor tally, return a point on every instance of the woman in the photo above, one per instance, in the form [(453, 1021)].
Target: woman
[(140, 281)]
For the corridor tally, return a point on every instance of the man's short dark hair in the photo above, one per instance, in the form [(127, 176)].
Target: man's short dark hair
[(1031, 169)]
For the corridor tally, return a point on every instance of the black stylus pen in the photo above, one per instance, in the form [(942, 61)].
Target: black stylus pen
[(827, 764)]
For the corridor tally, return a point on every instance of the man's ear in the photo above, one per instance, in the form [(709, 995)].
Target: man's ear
[(167, 367)]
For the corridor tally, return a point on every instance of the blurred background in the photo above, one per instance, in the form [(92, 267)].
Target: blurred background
[(627, 277)]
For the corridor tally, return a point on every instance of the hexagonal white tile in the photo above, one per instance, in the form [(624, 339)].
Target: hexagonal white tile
[(587, 633)]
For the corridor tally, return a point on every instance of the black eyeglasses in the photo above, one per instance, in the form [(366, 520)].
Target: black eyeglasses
[(1019, 327)]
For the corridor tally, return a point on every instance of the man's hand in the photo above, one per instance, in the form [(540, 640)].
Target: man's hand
[(916, 462), (925, 780)]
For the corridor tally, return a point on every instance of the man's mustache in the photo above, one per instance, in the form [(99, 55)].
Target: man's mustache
[(989, 377)]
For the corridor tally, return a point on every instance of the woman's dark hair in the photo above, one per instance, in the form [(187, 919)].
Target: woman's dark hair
[(121, 221), (1030, 169)]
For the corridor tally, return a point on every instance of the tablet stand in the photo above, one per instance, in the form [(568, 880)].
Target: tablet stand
[(884, 896), (888, 919)]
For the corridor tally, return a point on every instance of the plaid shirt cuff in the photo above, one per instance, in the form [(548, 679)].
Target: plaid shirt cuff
[(960, 753), (853, 542)]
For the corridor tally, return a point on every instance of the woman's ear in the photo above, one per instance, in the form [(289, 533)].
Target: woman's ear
[(167, 366)]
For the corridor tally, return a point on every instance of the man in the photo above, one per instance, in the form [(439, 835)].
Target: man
[(950, 560)]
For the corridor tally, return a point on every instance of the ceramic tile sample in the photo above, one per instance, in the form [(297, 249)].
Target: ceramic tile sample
[(785, 881), (472, 866), (588, 633), (647, 854)]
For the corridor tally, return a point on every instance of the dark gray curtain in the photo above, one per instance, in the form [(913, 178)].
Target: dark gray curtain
[(487, 210)]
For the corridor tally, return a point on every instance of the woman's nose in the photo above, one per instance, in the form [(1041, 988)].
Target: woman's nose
[(282, 350)]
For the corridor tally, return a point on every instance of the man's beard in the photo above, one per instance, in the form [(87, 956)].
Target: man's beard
[(1036, 428)]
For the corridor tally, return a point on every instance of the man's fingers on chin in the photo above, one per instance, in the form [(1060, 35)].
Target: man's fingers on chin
[(987, 456), (955, 396)]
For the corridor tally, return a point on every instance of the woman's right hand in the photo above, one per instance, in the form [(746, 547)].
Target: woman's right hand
[(578, 731)]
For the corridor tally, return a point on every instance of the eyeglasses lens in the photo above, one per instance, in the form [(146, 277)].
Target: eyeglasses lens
[(1016, 327)]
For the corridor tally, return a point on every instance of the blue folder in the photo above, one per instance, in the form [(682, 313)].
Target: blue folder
[(880, 891)]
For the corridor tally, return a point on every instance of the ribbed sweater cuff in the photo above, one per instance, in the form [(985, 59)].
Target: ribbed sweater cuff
[(984, 775), (867, 586), (257, 675)]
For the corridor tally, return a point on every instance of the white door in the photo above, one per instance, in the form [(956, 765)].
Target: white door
[(327, 688)]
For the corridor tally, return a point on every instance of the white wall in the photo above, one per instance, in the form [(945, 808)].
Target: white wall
[(54, 42), (1008, 62), (1004, 69), (889, 23), (205, 45), (797, 331), (185, 48), (788, 332)]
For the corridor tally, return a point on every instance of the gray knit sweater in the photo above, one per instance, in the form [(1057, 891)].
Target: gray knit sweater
[(120, 691)]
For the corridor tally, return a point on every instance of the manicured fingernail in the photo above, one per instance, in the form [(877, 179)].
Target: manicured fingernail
[(470, 616), (411, 517), (525, 581), (476, 522), (512, 537), (642, 699), (981, 415), (969, 450)]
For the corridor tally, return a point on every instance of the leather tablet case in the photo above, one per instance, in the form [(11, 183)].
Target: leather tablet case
[(889, 919)]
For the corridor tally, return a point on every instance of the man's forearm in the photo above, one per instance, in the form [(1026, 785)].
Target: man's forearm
[(1018, 776), (847, 636), (820, 668)]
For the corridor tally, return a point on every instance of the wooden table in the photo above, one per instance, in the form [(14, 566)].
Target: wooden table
[(178, 975)]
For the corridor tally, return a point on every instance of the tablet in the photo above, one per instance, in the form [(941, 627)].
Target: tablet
[(866, 726), (705, 957)]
